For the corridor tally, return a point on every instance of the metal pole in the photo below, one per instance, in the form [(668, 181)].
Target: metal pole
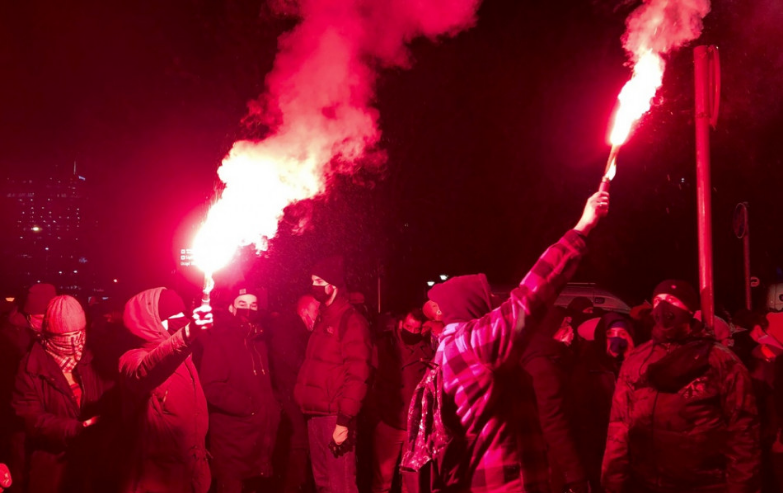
[(742, 231), (704, 108), (746, 254)]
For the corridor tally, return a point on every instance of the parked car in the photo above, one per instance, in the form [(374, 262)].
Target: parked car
[(600, 297)]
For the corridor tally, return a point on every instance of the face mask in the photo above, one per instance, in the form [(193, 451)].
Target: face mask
[(65, 344), (246, 314), (177, 323), (320, 294), (409, 338), (67, 349), (618, 346), (671, 323)]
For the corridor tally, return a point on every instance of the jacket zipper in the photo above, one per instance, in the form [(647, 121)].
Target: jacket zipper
[(252, 359)]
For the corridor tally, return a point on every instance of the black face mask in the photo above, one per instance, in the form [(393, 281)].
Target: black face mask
[(319, 293), (671, 323), (409, 338), (618, 346), (246, 314)]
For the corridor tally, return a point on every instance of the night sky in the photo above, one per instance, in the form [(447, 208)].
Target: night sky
[(495, 138)]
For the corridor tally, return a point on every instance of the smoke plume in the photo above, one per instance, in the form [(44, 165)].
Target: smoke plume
[(318, 105), (659, 26)]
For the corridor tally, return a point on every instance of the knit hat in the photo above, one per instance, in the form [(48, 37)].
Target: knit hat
[(462, 298), (331, 270), (169, 304), (38, 298), (64, 314), (681, 290)]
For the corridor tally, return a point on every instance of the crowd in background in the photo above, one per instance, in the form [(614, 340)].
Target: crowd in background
[(469, 392)]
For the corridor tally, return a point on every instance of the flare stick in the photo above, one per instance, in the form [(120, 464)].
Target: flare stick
[(610, 170), (209, 284)]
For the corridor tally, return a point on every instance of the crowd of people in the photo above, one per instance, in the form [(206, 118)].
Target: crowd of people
[(470, 392)]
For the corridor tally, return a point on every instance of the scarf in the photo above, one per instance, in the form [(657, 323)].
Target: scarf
[(66, 349)]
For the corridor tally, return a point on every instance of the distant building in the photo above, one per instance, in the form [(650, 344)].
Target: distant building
[(44, 232)]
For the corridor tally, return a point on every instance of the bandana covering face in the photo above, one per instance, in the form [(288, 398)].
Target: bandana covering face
[(66, 349), (671, 323)]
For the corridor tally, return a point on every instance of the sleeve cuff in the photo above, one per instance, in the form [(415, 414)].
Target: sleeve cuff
[(344, 420)]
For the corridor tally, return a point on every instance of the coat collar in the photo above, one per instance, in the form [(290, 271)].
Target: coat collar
[(338, 305), (41, 364)]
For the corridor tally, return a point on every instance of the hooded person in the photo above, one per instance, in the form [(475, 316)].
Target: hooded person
[(591, 388), (163, 402), (547, 364), (243, 410), (17, 334), (59, 395), (333, 380), (683, 414), (404, 355), (287, 345), (465, 428)]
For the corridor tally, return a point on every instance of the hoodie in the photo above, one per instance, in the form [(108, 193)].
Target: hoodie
[(164, 405), (462, 298)]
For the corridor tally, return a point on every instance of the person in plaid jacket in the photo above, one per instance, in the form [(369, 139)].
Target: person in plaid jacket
[(464, 425)]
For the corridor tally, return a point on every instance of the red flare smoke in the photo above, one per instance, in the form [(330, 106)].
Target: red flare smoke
[(655, 28), (318, 100)]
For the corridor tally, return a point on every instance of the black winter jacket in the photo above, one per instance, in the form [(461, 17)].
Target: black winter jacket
[(243, 411), (400, 369)]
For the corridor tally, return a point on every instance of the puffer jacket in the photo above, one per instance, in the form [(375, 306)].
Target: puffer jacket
[(334, 377), (590, 393), (164, 406), (702, 438)]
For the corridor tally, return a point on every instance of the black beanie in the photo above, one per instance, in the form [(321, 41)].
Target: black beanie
[(169, 304), (580, 304), (681, 290), (241, 290), (462, 298), (331, 270), (38, 298)]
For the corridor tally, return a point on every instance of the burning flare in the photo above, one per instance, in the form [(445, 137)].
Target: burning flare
[(637, 95), (653, 29), (318, 108)]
